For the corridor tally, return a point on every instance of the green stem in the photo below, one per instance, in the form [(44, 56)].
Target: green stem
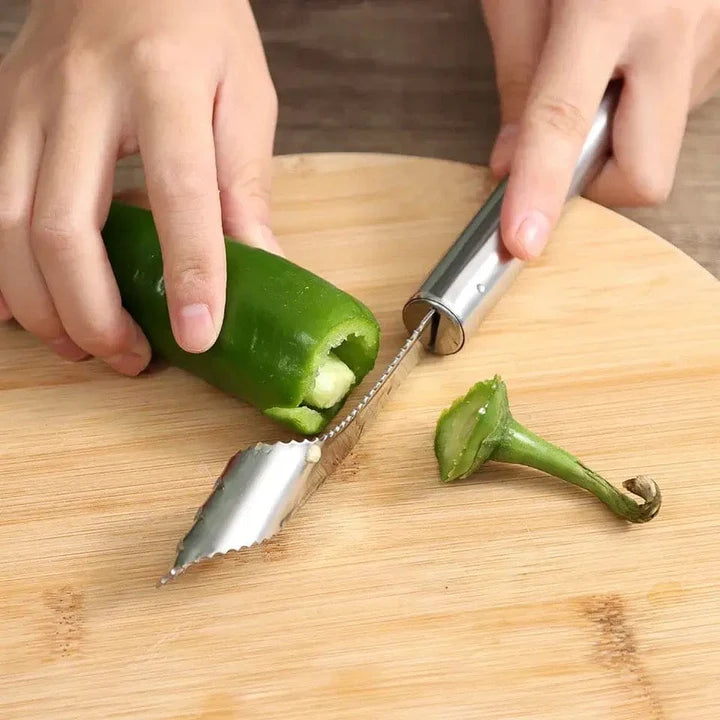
[(520, 446)]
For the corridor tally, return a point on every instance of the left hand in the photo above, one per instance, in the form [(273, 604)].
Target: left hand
[(554, 59)]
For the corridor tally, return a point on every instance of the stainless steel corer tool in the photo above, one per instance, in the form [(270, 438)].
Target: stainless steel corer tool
[(262, 486)]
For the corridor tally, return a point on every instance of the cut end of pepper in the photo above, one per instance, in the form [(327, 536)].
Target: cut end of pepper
[(470, 429), (341, 365), (332, 383), (302, 419)]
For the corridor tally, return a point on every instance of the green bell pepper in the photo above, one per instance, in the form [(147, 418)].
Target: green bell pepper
[(478, 428), (292, 344)]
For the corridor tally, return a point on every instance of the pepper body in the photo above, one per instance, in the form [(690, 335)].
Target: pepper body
[(281, 321)]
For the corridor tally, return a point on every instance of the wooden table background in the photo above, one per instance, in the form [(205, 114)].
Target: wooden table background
[(416, 77), (510, 596)]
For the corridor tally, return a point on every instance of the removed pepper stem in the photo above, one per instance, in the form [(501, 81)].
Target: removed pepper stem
[(479, 428)]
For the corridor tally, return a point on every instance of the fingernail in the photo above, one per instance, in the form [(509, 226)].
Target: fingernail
[(67, 349), (195, 328), (503, 149), (532, 235), (128, 363)]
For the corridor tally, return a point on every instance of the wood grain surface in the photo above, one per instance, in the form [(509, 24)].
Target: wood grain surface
[(509, 596), (416, 77)]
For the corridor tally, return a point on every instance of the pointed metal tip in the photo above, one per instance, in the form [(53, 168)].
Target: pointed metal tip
[(171, 575)]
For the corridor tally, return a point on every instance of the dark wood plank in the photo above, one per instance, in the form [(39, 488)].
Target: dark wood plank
[(417, 78), (401, 77)]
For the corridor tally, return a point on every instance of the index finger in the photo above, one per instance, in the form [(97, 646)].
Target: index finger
[(176, 143), (577, 62)]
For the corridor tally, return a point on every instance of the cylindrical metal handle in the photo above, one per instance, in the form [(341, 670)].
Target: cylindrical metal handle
[(477, 269)]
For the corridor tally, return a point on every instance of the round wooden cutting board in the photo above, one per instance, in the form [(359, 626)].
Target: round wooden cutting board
[(390, 595)]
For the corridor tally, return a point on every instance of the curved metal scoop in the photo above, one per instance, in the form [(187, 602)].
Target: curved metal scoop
[(262, 486)]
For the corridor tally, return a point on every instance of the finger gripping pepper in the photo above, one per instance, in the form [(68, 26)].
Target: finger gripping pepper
[(291, 344)]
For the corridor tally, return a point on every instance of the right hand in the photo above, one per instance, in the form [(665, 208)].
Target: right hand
[(187, 86), (554, 59)]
